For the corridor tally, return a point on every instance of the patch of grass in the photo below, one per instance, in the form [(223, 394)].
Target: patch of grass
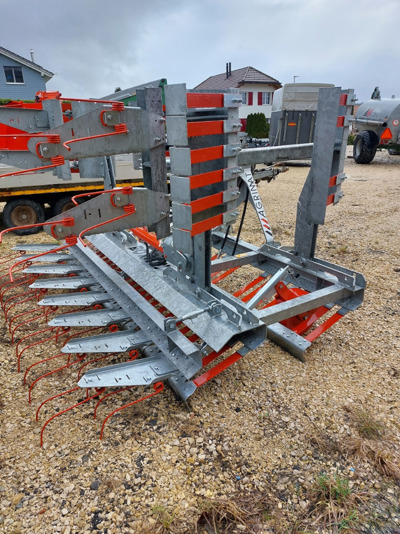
[(246, 513), (164, 521), (384, 457), (366, 425), (333, 505)]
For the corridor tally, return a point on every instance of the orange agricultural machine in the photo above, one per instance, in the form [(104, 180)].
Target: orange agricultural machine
[(128, 290)]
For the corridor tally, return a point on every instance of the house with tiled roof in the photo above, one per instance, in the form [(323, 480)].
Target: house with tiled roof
[(256, 87), (21, 78)]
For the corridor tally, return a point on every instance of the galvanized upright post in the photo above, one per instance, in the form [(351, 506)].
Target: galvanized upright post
[(326, 171), (153, 160)]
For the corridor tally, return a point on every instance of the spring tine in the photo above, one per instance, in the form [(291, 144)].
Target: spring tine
[(109, 395), (35, 295), (49, 373), (36, 317), (54, 397), (40, 342), (23, 281), (64, 411), (10, 258), (26, 312), (43, 361), (158, 387)]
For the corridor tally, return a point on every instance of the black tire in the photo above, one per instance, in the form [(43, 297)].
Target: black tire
[(365, 146), (21, 212), (61, 205)]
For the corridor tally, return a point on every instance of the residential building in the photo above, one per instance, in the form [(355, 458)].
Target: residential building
[(256, 88), (20, 78)]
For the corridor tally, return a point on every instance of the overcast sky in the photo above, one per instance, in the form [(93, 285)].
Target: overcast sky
[(93, 46)]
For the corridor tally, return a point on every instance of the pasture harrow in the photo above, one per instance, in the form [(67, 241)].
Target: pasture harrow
[(129, 293)]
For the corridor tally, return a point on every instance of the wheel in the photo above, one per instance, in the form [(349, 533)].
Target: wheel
[(61, 205), (21, 212), (365, 146)]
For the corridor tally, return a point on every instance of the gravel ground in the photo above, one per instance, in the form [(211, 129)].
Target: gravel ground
[(267, 428)]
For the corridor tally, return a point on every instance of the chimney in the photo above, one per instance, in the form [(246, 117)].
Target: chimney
[(230, 69), (32, 56), (227, 71)]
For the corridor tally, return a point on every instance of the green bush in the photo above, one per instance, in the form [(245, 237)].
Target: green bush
[(257, 125), (350, 139)]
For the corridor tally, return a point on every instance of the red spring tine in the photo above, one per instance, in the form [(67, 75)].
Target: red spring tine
[(118, 130), (158, 387), (17, 295), (16, 255), (49, 373), (23, 281), (109, 395), (34, 296), (32, 334), (27, 312), (42, 361), (50, 310), (44, 314), (129, 210), (63, 329), (40, 342), (65, 222), (34, 318), (54, 397), (56, 162), (64, 411)]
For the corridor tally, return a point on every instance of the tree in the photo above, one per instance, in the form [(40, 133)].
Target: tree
[(117, 89), (257, 125)]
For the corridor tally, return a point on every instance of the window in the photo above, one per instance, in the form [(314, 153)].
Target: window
[(247, 99), (13, 74), (264, 98)]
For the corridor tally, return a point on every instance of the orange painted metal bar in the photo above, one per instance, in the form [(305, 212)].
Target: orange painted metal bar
[(208, 375), (205, 100), (207, 178), (332, 180), (203, 226), (214, 355), (249, 296), (309, 321), (206, 202), (217, 279), (196, 129), (248, 286), (323, 327), (147, 237), (330, 200), (206, 154), (340, 122)]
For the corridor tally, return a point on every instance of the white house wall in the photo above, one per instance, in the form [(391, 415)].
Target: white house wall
[(246, 109)]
